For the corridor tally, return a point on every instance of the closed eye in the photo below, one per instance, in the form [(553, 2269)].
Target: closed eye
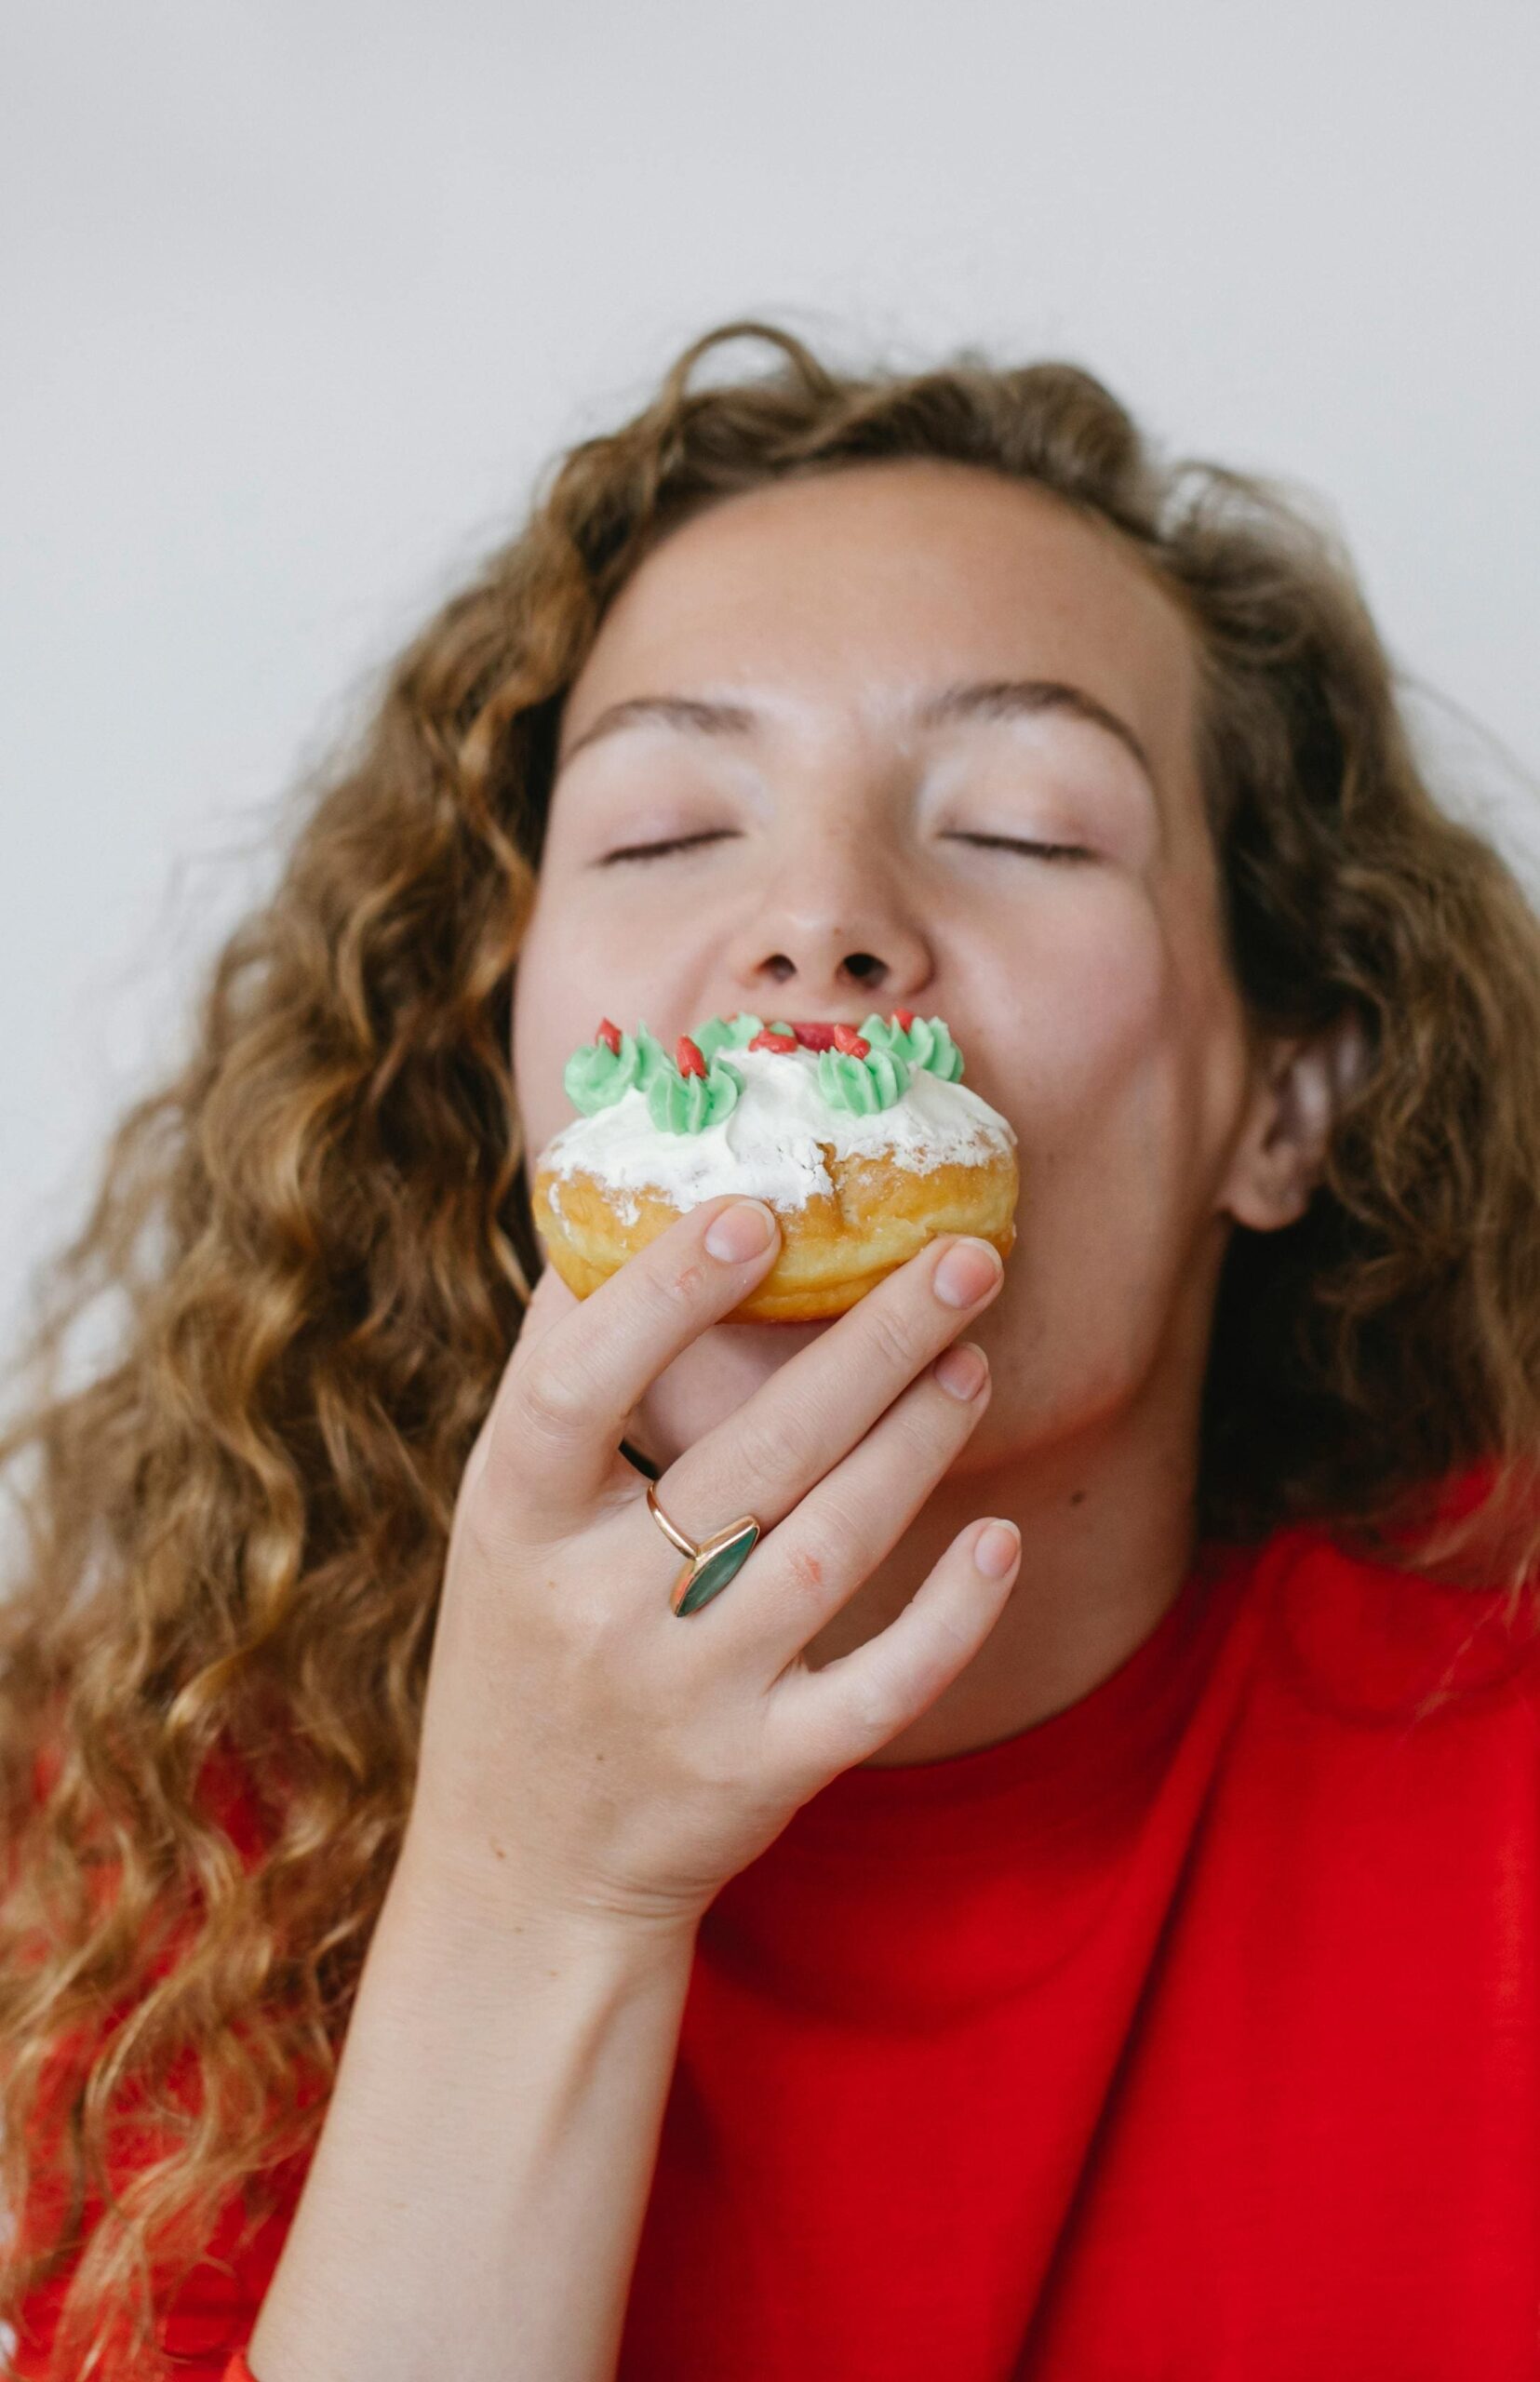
[(715, 835), (1022, 844), (674, 844)]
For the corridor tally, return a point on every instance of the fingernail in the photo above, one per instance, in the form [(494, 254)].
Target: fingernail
[(961, 1371), (745, 1230), (995, 1549), (966, 1273)]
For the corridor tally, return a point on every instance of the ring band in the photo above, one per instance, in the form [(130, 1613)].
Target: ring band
[(711, 1565)]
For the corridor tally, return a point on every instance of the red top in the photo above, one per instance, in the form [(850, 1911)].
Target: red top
[(1192, 2031)]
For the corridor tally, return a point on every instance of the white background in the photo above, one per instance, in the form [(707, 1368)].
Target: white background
[(298, 296)]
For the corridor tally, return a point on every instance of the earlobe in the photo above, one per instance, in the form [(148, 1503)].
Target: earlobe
[(1301, 1086)]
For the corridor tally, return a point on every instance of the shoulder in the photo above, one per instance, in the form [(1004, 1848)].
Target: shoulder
[(1368, 1632)]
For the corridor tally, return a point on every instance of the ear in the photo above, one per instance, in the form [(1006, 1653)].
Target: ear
[(1300, 1085)]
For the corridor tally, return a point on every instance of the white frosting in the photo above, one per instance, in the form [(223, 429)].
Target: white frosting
[(768, 1146)]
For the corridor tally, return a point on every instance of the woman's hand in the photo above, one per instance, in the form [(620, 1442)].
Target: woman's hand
[(585, 1749)]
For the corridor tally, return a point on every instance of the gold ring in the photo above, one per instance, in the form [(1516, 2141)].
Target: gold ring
[(709, 1566)]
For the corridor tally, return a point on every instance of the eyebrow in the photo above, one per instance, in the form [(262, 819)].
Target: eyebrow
[(975, 699)]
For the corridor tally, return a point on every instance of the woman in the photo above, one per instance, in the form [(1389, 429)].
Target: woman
[(1069, 1907)]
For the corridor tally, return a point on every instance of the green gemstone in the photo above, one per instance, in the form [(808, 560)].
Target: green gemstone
[(720, 1567)]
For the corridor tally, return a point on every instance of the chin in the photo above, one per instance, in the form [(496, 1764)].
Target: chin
[(748, 1351)]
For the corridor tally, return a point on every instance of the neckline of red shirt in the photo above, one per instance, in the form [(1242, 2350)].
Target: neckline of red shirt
[(1062, 1776)]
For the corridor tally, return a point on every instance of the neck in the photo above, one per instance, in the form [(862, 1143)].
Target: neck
[(1107, 1542), (1105, 1512)]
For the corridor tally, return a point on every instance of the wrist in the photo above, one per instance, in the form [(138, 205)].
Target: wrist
[(495, 1909)]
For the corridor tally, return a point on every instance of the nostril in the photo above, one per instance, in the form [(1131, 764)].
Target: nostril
[(864, 965)]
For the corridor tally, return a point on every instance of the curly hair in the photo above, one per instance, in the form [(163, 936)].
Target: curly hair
[(317, 1237)]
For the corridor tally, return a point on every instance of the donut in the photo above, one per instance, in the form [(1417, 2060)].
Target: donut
[(863, 1139)]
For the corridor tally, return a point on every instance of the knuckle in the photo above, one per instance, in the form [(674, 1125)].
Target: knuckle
[(771, 1447), (834, 1548), (951, 1642), (805, 1567), (879, 1706), (669, 1289), (586, 1626), (895, 1341), (553, 1401)]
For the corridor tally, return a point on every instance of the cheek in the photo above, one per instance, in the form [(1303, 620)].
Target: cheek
[(1113, 1109), (1124, 1093), (558, 1003), (1091, 1020), (572, 972)]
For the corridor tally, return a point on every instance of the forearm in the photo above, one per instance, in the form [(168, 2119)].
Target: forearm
[(484, 2168)]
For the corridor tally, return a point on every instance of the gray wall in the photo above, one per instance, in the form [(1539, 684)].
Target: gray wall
[(298, 297)]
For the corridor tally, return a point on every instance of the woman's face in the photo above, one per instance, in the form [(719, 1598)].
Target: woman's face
[(830, 817)]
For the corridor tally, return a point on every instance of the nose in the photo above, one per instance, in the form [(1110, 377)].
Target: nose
[(834, 924)]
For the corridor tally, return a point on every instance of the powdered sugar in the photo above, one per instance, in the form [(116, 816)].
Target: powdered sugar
[(769, 1147)]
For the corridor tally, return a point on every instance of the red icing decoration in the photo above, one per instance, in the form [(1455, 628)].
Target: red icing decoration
[(903, 1019), (686, 1055), (846, 1039), (767, 1041), (610, 1035), (814, 1038)]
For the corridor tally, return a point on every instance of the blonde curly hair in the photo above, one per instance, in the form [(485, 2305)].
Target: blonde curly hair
[(318, 1236)]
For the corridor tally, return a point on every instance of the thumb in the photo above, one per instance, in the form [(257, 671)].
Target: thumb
[(548, 1301)]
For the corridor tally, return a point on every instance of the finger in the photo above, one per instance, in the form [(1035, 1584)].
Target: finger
[(842, 1714), (822, 1401), (548, 1301), (804, 1571), (560, 1409)]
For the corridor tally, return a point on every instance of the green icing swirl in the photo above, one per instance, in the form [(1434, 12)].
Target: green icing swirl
[(725, 1033), (928, 1043), (596, 1077), (680, 1104), (862, 1086), (651, 1056)]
